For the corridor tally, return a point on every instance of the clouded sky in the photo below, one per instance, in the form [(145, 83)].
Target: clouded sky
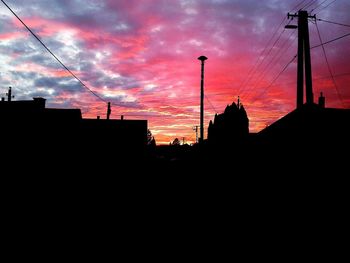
[(141, 55)]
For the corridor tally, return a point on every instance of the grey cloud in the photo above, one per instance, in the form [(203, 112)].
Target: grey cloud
[(84, 14), (42, 94), (47, 82), (59, 104), (120, 103), (24, 75), (123, 83), (65, 84)]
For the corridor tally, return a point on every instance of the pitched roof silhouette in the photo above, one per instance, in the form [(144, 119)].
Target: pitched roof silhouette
[(310, 124)]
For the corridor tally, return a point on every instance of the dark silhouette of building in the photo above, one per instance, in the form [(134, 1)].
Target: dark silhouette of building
[(311, 128), (31, 125), (27, 120), (229, 127)]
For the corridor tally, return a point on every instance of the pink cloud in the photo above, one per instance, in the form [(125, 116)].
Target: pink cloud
[(147, 51)]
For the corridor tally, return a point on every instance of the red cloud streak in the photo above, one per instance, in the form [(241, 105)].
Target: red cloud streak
[(142, 56)]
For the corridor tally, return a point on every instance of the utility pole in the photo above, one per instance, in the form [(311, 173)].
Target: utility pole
[(201, 139), (195, 128), (109, 110), (304, 58), (183, 140), (9, 95)]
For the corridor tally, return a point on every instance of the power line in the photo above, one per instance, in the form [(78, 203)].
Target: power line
[(259, 61), (211, 105), (220, 94), (52, 54), (286, 83), (337, 75), (331, 22), (274, 80), (332, 76), (318, 6), (325, 7), (253, 70), (329, 68), (330, 41), (309, 4), (163, 116), (228, 93), (274, 60), (298, 5)]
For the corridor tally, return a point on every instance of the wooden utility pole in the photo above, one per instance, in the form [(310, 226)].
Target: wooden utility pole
[(304, 58)]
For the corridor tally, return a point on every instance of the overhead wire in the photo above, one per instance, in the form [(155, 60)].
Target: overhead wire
[(253, 71), (322, 44), (53, 55), (211, 105), (295, 7), (331, 22), (259, 61), (329, 67), (330, 41), (331, 74), (309, 4), (285, 83), (278, 56), (273, 81), (262, 61), (325, 7), (319, 5)]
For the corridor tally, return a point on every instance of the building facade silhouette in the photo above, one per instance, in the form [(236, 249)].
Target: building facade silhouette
[(229, 127), (31, 125), (311, 130)]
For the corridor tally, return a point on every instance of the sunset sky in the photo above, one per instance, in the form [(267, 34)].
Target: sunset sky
[(141, 55)]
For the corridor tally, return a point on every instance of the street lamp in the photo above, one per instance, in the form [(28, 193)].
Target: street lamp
[(202, 59)]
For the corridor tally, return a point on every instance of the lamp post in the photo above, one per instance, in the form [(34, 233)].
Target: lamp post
[(202, 59)]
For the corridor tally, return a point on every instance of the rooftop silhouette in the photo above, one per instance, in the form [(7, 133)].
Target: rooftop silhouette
[(232, 126), (29, 122)]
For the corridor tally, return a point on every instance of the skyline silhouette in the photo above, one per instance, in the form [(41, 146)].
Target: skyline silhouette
[(145, 63)]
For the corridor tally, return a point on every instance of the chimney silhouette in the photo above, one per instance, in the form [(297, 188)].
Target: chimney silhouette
[(322, 101), (40, 102)]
